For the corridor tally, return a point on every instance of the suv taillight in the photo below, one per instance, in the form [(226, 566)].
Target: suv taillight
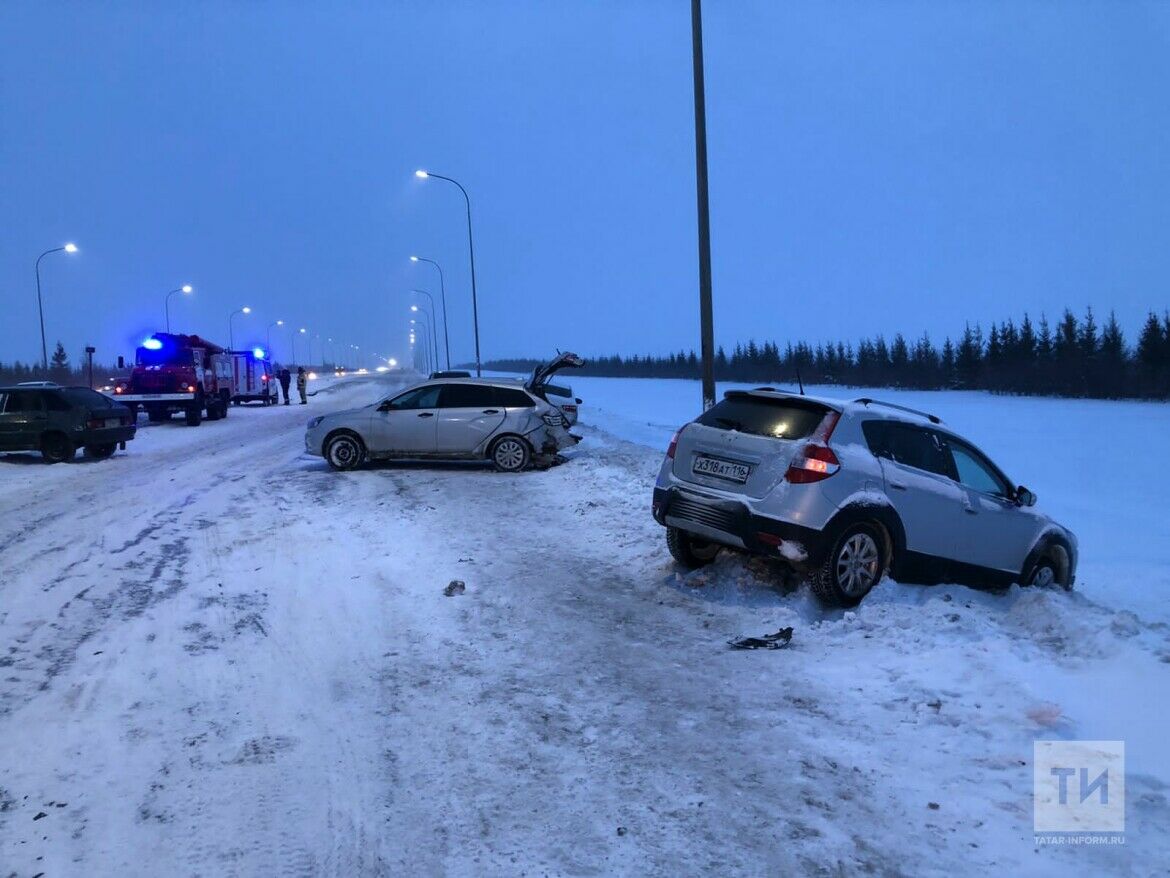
[(673, 446), (812, 464)]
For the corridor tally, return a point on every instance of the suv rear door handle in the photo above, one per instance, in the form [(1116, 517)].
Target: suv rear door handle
[(900, 486), (426, 414), (491, 411)]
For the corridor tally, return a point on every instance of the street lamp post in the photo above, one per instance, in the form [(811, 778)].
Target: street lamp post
[(443, 300), (68, 248), (424, 344), (293, 343), (434, 323), (706, 321), (231, 334), (471, 250), (186, 289), (268, 337)]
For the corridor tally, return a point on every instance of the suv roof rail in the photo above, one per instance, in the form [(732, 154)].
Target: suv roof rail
[(866, 401)]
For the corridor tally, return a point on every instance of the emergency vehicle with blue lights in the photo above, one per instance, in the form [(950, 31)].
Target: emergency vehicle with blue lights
[(178, 374)]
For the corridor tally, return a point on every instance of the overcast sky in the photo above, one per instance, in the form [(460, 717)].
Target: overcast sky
[(875, 167)]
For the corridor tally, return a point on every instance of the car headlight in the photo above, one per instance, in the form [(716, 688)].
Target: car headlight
[(554, 419), (315, 421)]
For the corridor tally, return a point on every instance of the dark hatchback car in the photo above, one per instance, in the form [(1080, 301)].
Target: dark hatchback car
[(56, 421)]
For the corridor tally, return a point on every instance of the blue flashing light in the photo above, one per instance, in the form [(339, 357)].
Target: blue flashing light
[(152, 344), (258, 353)]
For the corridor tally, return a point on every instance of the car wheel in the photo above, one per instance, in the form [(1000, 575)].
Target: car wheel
[(100, 452), (689, 550), (511, 454), (344, 451), (56, 448), (1051, 569), (854, 565)]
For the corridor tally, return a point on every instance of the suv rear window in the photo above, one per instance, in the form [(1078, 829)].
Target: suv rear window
[(776, 419)]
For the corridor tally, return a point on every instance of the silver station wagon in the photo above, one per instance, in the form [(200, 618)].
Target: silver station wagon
[(497, 420)]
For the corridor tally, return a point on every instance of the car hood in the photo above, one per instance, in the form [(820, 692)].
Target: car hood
[(347, 413)]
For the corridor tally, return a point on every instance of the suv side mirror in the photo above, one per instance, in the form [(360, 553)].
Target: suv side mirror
[(1024, 497), (384, 406)]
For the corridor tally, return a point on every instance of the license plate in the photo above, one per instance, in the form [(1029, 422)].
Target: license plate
[(113, 422), (721, 469)]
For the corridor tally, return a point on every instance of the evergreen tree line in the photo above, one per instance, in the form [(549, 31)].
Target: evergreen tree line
[(1074, 358), (60, 370)]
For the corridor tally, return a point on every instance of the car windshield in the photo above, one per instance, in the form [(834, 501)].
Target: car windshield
[(776, 419), (83, 396)]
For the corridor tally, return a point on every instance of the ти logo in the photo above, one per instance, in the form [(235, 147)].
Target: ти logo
[(1078, 786)]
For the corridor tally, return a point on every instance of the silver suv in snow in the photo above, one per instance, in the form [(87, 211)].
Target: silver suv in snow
[(448, 419), (846, 491)]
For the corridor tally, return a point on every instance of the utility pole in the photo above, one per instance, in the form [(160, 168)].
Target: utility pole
[(706, 319), (90, 350)]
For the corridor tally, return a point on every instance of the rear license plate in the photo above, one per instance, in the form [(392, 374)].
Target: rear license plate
[(113, 422), (721, 469)]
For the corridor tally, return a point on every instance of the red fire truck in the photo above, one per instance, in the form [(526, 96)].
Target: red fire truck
[(178, 373)]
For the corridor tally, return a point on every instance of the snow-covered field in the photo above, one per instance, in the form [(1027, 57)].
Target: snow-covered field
[(219, 658)]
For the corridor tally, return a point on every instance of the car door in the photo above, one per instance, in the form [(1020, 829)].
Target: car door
[(918, 483), (997, 533), (406, 424), (468, 415), (22, 420)]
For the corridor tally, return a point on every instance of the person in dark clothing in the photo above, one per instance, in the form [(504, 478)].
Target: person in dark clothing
[(285, 380), (302, 382)]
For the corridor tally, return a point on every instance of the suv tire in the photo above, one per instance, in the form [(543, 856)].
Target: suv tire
[(56, 448), (511, 454), (1051, 568), (344, 451), (688, 550), (854, 564)]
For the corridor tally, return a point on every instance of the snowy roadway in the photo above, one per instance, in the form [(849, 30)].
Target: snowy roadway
[(219, 658)]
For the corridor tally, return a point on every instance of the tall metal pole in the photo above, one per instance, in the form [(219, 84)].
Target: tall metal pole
[(471, 251), (422, 319), (182, 289), (706, 319), (443, 299), (41, 308), (434, 323)]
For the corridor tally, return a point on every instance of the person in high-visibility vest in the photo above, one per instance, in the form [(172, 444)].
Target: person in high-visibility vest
[(302, 382)]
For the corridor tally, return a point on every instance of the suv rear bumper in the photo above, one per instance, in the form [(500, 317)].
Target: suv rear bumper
[(732, 523)]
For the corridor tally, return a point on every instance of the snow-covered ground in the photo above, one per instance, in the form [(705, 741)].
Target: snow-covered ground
[(219, 658)]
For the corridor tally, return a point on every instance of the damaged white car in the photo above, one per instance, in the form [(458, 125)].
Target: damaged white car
[(450, 419)]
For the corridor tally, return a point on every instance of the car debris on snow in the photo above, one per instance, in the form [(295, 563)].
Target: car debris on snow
[(454, 587), (779, 640)]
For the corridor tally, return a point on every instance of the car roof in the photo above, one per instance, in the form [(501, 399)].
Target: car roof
[(864, 404)]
